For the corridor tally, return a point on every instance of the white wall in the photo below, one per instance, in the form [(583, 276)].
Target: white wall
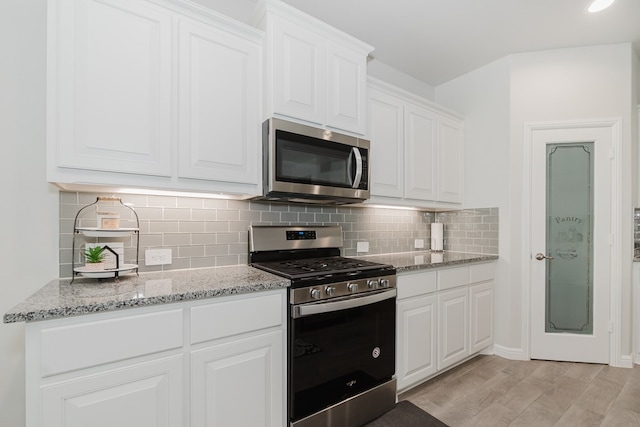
[(483, 97), (564, 84), (29, 213)]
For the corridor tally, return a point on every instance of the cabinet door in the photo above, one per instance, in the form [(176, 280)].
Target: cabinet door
[(298, 72), (144, 395), (450, 160), (420, 153), (109, 86), (481, 325), (386, 132), (346, 89), (453, 314), (416, 335), (240, 383), (219, 98)]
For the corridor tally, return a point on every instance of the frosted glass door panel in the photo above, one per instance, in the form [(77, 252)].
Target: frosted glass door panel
[(569, 241)]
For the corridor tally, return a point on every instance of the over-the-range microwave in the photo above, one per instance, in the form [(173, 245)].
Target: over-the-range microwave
[(311, 165)]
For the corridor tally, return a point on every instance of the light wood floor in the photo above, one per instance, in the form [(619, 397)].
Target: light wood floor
[(492, 391)]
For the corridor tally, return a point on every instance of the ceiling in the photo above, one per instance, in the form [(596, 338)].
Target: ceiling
[(438, 40)]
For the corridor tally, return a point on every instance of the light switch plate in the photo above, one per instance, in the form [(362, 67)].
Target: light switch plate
[(362, 247), (157, 256)]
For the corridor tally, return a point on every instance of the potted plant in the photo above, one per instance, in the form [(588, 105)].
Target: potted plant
[(94, 258)]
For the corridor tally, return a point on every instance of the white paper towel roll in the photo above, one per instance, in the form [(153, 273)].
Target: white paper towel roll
[(437, 236)]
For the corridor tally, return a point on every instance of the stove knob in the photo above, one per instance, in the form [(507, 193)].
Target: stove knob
[(330, 290), (384, 283), (373, 284), (352, 287), (314, 293)]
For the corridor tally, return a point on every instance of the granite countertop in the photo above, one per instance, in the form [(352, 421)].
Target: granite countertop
[(60, 298), (411, 261)]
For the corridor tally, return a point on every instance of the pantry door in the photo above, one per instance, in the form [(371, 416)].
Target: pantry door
[(571, 238)]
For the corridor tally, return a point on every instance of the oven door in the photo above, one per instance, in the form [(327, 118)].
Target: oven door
[(339, 349)]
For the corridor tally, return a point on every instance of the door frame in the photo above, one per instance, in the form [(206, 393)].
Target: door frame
[(615, 320)]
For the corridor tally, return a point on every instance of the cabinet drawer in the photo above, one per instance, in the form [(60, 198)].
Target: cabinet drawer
[(413, 284), (227, 318), (481, 272), (84, 344), (453, 277)]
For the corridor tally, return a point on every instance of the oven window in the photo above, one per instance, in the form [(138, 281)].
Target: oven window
[(307, 160), (340, 354)]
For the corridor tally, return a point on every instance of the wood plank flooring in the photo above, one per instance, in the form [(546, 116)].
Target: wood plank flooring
[(492, 391)]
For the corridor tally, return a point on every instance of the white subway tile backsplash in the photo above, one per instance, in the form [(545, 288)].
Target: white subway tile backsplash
[(213, 232)]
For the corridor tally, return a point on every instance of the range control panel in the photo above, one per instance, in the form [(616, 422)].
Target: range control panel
[(301, 235)]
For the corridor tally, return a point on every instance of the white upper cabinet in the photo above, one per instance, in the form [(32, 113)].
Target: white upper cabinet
[(313, 72), (297, 86), (219, 97), (152, 94), (110, 86), (346, 88), (420, 152), (416, 149), (386, 131), (450, 160)]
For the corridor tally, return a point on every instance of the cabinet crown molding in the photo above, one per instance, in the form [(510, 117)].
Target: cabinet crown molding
[(381, 85), (283, 10), (188, 8)]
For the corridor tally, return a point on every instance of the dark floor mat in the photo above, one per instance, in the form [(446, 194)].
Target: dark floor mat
[(406, 414)]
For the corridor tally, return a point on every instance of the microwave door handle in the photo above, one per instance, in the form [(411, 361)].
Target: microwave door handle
[(355, 154)]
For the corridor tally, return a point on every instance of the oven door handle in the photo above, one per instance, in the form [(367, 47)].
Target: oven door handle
[(328, 307)]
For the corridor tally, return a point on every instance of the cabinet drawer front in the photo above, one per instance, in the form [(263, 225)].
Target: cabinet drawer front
[(453, 277), (82, 345), (413, 284), (481, 272), (223, 319)]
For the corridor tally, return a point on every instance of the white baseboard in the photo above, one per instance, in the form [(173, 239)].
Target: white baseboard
[(625, 362), (509, 353)]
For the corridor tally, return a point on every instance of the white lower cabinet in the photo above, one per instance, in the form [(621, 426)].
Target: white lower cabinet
[(141, 395), (443, 317), (481, 320), (453, 342), (238, 383), (416, 335), (216, 362)]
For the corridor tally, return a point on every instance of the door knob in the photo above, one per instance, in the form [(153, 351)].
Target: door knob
[(540, 256)]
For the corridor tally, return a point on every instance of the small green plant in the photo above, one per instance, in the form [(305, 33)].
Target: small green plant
[(94, 254)]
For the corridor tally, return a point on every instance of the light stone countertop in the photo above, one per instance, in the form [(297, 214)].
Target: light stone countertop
[(413, 261), (60, 298)]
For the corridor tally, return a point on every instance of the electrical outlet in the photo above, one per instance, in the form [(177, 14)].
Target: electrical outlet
[(419, 243), (157, 256), (362, 247)]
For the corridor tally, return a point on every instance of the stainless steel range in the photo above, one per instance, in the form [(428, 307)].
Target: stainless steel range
[(341, 325)]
